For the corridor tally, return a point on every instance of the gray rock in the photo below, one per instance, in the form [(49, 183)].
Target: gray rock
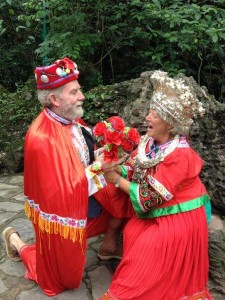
[(206, 134), (3, 288), (36, 293), (216, 255)]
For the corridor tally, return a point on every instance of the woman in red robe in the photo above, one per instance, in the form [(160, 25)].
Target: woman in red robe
[(166, 241)]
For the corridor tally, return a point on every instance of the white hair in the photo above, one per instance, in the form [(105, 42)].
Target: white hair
[(43, 95)]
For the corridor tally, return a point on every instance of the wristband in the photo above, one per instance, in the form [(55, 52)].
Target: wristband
[(117, 183), (96, 168)]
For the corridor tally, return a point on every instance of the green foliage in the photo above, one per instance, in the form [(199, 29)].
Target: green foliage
[(116, 40), (119, 39), (94, 111), (17, 45), (17, 112), (193, 36)]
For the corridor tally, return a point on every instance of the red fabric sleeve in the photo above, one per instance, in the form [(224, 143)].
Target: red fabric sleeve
[(181, 167)]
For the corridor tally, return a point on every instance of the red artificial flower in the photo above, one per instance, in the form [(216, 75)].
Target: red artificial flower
[(112, 154), (127, 146), (112, 137), (117, 123), (122, 136), (100, 129), (116, 138), (102, 142), (133, 135)]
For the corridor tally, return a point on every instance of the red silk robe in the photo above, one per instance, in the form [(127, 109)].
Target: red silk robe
[(56, 192)]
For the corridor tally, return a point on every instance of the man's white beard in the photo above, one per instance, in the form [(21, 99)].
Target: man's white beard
[(79, 113), (72, 113)]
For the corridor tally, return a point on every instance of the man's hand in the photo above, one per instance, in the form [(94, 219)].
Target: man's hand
[(111, 165)]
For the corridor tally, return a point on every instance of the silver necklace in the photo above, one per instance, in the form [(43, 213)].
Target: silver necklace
[(145, 162), (142, 162)]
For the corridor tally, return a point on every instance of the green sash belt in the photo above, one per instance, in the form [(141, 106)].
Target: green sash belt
[(178, 208)]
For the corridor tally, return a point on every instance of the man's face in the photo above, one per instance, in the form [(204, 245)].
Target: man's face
[(70, 101)]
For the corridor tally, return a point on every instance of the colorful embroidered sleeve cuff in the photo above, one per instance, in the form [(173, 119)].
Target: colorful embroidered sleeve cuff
[(95, 182), (148, 195), (158, 187)]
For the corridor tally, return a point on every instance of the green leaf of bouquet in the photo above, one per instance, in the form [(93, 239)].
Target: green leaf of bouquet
[(121, 152), (126, 130), (108, 147)]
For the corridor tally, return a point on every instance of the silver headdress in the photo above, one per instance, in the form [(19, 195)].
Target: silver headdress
[(174, 101)]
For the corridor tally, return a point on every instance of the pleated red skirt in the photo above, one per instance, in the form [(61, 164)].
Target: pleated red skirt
[(165, 258), (115, 203)]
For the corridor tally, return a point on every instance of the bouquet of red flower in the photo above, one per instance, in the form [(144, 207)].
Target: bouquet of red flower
[(116, 138)]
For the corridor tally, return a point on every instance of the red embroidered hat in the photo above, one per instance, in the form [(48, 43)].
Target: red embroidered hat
[(61, 72)]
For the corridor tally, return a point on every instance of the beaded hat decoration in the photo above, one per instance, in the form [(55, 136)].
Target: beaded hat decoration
[(174, 101), (61, 72)]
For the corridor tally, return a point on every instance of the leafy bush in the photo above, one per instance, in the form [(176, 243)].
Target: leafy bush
[(17, 112), (116, 40), (17, 45)]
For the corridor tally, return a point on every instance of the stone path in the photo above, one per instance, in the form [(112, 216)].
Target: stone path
[(97, 275)]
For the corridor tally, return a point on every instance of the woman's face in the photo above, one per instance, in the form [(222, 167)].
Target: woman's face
[(158, 129)]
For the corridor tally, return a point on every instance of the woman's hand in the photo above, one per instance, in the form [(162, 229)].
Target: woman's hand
[(114, 177), (111, 177)]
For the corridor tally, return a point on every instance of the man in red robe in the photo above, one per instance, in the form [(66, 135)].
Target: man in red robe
[(60, 175)]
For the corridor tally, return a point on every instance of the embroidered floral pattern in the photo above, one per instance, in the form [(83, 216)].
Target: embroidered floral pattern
[(148, 197), (183, 142), (80, 144), (58, 118), (197, 296), (55, 218), (159, 188)]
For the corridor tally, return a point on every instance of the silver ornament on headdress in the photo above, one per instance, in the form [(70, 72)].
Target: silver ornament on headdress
[(61, 72), (174, 101), (44, 78)]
